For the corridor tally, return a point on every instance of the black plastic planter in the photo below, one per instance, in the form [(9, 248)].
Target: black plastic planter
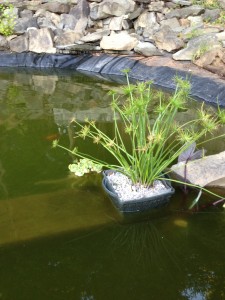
[(137, 205)]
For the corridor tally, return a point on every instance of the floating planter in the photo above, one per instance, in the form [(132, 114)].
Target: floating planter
[(128, 198)]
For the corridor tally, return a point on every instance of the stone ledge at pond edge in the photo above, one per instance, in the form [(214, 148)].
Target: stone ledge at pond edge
[(174, 28), (205, 172)]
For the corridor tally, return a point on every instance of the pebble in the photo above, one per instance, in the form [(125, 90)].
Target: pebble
[(126, 190)]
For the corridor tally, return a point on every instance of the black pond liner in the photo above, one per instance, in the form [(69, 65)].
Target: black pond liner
[(208, 89), (136, 205)]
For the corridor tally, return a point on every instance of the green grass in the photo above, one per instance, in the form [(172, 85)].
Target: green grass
[(210, 4)]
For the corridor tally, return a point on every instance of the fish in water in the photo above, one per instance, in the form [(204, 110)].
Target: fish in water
[(180, 223), (52, 137)]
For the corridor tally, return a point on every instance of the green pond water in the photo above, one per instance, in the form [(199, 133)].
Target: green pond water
[(60, 236)]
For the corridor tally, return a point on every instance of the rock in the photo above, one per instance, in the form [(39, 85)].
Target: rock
[(44, 22), (156, 6), (120, 41), (95, 36), (116, 23), (31, 5), (67, 22), (173, 24), (147, 22), (221, 36), (144, 1), (211, 15), (202, 172), (196, 21), (182, 2), (81, 10), (184, 22), (23, 23), (57, 7), (67, 38), (146, 49), (185, 12), (109, 8), (127, 24), (26, 13), (81, 13), (222, 3), (193, 32), (79, 48), (3, 43), (41, 40), (213, 61), (48, 19), (166, 39), (19, 44), (160, 17), (197, 46), (136, 13)]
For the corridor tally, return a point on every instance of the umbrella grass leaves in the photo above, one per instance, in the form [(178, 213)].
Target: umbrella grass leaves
[(146, 139)]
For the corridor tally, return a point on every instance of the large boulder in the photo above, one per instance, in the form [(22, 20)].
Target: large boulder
[(222, 3), (207, 171), (211, 15), (147, 49), (197, 46), (213, 61), (147, 22), (57, 7), (116, 23), (22, 24), (221, 36), (173, 24), (41, 40), (120, 41), (81, 13), (67, 22), (19, 44), (167, 39), (26, 13), (67, 38), (95, 36), (185, 12), (4, 45), (111, 8), (156, 6)]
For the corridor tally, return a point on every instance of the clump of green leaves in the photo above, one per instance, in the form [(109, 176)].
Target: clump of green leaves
[(84, 166), (7, 19), (221, 19), (210, 4), (194, 33), (155, 138), (202, 49)]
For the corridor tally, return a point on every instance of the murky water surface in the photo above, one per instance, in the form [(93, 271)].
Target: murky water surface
[(60, 236)]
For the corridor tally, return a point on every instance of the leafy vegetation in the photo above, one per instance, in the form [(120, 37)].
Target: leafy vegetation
[(211, 4), (7, 19), (156, 139), (202, 49)]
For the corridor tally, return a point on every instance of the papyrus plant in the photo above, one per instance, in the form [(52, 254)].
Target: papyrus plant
[(155, 139)]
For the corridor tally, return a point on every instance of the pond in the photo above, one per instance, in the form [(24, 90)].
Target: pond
[(60, 236)]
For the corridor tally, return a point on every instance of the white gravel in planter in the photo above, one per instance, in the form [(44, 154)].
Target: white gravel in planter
[(126, 190)]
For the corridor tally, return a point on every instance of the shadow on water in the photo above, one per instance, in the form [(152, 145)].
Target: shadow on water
[(60, 236)]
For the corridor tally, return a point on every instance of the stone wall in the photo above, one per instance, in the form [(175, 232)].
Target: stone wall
[(178, 28)]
